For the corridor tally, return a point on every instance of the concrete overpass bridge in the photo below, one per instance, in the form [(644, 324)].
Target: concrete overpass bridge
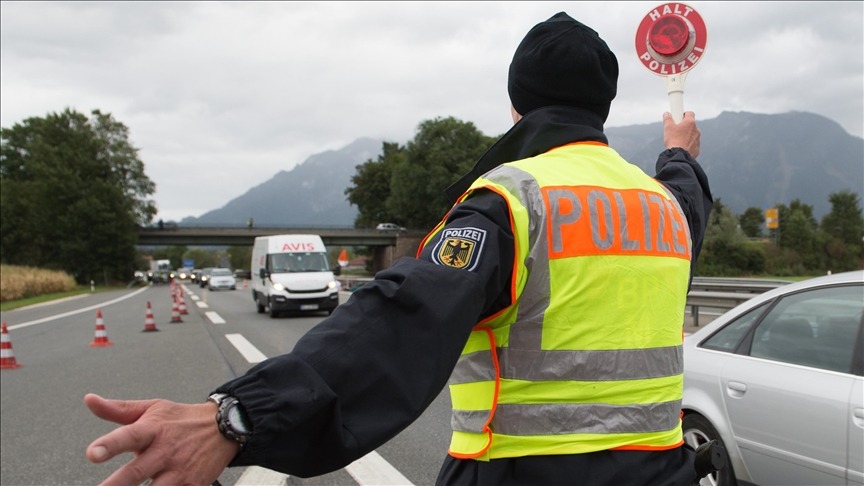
[(388, 246)]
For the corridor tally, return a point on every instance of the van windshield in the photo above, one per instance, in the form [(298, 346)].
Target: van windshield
[(299, 262)]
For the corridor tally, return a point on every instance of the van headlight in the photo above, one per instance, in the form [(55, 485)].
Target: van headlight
[(278, 286), (332, 284)]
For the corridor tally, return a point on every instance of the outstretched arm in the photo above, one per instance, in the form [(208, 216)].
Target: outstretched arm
[(350, 384)]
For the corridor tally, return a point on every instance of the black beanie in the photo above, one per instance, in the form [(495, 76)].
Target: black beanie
[(563, 62)]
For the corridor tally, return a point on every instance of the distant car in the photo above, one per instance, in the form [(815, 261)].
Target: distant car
[(183, 273), (779, 381), (205, 276), (221, 278), (195, 276), (389, 227), (139, 275), (240, 273)]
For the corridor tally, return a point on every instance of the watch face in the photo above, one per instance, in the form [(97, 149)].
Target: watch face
[(237, 419)]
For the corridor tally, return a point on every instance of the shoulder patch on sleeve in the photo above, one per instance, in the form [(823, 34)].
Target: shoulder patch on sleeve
[(460, 248)]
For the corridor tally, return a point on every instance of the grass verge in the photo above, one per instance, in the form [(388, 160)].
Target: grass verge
[(15, 304)]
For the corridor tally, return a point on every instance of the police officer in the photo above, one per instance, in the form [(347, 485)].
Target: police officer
[(550, 299)]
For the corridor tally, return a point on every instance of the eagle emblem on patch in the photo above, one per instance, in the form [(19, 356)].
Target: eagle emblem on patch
[(460, 248)]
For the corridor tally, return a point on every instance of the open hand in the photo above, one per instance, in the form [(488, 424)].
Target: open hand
[(174, 443)]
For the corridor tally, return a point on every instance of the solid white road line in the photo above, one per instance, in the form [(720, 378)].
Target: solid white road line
[(259, 476), (79, 311), (372, 469), (247, 349), (214, 317), (52, 302), (201, 304)]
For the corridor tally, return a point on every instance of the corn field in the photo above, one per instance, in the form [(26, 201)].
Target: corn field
[(22, 282)]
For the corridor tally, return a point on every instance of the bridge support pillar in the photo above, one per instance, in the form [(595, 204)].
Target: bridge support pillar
[(383, 257)]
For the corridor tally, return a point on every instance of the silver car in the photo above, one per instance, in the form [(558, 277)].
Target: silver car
[(779, 380), (221, 278)]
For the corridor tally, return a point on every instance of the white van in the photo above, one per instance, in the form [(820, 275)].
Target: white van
[(292, 273)]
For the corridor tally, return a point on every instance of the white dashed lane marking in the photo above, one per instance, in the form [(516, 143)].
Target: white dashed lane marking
[(259, 476), (247, 349), (201, 304), (369, 470), (372, 469), (214, 317)]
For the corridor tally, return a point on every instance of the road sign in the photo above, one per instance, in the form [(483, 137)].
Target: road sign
[(189, 263), (670, 40), (772, 218)]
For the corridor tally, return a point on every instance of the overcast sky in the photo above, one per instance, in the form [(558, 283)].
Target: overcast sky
[(221, 96)]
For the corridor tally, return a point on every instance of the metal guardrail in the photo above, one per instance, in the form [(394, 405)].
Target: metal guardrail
[(750, 285), (348, 281), (726, 293), (719, 293)]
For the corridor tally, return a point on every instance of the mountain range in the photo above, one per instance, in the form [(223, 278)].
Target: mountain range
[(751, 160), (310, 194)]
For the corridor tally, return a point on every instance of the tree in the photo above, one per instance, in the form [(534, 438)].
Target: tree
[(370, 187), (203, 258), (798, 229), (725, 251), (241, 257), (406, 184), (72, 191), (843, 230), (751, 222), (845, 221), (442, 151), (723, 225)]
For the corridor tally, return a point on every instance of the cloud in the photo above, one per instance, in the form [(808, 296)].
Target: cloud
[(221, 96)]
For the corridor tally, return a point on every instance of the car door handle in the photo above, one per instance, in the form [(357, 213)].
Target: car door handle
[(858, 417), (736, 389)]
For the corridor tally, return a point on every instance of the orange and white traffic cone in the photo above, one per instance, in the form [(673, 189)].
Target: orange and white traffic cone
[(149, 323), (101, 336), (181, 305), (175, 312), (244, 284), (7, 358)]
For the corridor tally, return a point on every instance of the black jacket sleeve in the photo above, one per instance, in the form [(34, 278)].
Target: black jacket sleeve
[(686, 180), (369, 370)]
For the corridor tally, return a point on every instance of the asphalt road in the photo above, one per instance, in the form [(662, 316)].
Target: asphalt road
[(45, 427)]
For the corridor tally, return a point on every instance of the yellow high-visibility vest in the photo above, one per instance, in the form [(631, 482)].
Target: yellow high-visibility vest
[(588, 356)]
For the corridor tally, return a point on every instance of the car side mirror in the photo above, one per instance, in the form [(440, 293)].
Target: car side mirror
[(263, 273), (337, 270)]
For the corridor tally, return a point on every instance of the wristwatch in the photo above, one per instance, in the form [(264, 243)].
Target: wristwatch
[(231, 419)]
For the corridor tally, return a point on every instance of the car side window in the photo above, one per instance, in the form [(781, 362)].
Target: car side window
[(727, 339), (817, 328)]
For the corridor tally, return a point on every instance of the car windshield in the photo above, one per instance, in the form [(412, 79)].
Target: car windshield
[(299, 262), (222, 272)]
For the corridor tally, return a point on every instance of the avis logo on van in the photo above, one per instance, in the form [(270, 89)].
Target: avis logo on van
[(298, 247)]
